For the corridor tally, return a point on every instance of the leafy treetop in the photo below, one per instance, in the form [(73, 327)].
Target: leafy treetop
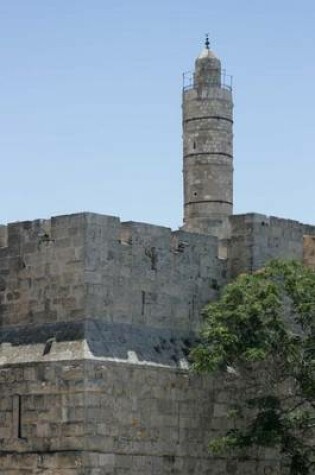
[(267, 319)]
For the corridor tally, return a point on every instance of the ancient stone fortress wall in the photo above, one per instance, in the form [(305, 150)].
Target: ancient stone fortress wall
[(97, 320), (93, 266), (256, 238), (101, 417), (96, 325), (88, 265)]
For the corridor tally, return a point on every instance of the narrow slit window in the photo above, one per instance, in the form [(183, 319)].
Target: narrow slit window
[(142, 302), (17, 416)]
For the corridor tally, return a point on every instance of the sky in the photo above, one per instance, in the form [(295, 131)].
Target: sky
[(90, 105)]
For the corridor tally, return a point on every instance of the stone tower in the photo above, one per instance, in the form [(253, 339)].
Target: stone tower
[(208, 148)]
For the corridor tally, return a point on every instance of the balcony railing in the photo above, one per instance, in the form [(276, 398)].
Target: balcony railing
[(226, 80)]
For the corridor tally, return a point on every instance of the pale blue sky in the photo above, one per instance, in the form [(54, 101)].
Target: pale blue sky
[(90, 104)]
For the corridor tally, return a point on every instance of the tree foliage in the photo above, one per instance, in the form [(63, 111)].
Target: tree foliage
[(262, 330)]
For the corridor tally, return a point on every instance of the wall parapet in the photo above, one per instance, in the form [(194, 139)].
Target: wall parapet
[(93, 266), (257, 238)]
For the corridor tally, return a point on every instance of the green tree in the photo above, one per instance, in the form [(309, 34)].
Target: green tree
[(262, 330)]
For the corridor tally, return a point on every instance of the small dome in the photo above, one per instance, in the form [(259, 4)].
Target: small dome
[(207, 53)]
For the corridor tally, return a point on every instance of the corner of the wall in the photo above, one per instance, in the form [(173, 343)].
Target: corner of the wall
[(309, 251), (3, 236)]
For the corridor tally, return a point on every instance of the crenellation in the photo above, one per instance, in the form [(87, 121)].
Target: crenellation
[(92, 266), (41, 271), (144, 279)]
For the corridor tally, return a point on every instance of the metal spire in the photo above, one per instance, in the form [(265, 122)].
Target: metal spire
[(207, 42)]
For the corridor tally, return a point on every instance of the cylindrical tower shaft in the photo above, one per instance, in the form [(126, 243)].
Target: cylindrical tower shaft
[(208, 149)]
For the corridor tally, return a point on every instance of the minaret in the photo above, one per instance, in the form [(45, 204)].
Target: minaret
[(208, 148)]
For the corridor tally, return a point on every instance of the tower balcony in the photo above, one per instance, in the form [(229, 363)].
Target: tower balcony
[(189, 81)]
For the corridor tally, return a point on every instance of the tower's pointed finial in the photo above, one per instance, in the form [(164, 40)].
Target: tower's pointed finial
[(207, 42)]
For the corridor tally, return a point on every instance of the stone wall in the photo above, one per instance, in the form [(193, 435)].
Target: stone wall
[(93, 266), (309, 251), (257, 238), (87, 265), (100, 417), (149, 275), (97, 319), (41, 271), (40, 409)]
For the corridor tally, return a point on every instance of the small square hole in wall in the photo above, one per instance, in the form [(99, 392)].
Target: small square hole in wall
[(222, 250)]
